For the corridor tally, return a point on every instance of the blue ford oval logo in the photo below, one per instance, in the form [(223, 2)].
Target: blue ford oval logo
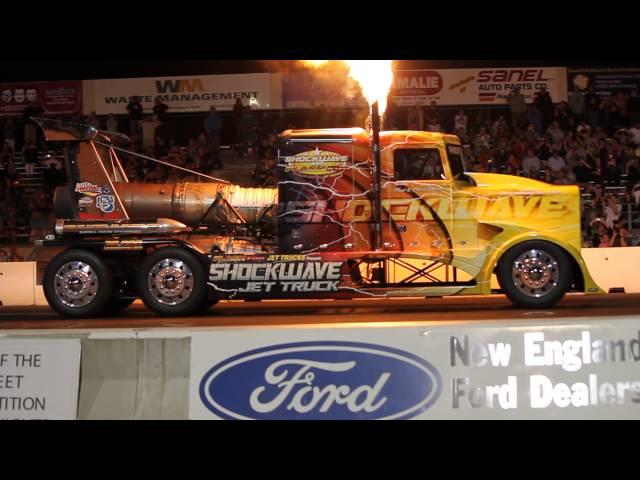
[(321, 380)]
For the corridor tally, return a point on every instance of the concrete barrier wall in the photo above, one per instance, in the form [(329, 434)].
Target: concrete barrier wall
[(135, 379), (17, 283), (614, 267)]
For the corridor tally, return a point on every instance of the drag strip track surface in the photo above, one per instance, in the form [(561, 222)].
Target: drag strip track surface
[(447, 310)]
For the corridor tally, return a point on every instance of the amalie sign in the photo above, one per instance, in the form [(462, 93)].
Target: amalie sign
[(475, 86)]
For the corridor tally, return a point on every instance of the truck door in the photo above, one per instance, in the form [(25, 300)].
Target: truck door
[(323, 185), (416, 202)]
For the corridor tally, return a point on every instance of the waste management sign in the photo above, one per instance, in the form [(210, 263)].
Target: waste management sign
[(184, 94), (586, 369), (39, 379)]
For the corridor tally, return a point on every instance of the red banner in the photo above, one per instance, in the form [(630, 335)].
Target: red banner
[(56, 98)]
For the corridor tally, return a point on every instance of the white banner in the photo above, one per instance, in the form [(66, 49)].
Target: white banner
[(184, 94), (583, 369), (39, 379), (477, 86)]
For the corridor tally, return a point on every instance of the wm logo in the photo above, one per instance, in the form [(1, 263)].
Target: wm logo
[(179, 86)]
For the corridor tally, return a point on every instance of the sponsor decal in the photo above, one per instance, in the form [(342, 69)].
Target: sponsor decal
[(85, 201), (328, 380), (87, 188), (106, 203), (276, 276), (316, 163)]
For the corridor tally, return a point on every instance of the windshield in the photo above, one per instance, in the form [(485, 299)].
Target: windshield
[(456, 162)]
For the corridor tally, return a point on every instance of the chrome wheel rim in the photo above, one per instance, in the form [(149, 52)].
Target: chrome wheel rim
[(535, 273), (76, 284), (170, 281)]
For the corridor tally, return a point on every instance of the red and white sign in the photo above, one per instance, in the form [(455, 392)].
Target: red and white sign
[(476, 86), (56, 98)]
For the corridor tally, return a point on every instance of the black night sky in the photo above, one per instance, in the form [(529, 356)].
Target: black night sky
[(72, 69)]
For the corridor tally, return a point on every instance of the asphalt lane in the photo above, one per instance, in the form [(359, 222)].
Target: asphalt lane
[(328, 313)]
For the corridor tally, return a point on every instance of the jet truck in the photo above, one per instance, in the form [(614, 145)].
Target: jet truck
[(354, 215)]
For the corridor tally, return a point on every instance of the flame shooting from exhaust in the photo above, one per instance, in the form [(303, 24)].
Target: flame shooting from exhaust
[(374, 76)]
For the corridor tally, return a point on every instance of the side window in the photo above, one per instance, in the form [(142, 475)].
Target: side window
[(417, 164)]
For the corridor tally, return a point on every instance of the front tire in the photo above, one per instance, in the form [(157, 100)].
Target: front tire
[(172, 282), (78, 284), (535, 274)]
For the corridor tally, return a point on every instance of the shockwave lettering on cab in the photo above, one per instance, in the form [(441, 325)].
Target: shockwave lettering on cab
[(275, 274), (417, 209)]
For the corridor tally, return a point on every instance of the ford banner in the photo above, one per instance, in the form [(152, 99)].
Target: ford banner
[(553, 370)]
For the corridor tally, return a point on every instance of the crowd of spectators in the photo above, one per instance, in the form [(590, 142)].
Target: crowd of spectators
[(586, 141)]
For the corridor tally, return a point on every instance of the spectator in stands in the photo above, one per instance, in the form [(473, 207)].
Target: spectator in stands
[(415, 119), (30, 155), (635, 133), (433, 125), (4, 255), (619, 235), (577, 104), (267, 123), (563, 117), (238, 113), (249, 128), (584, 130), (531, 164), (557, 167), (545, 105), (592, 109), (53, 177), (135, 110), (431, 113), (30, 127), (148, 127), (9, 133), (518, 107), (213, 124), (632, 169), (215, 158), (633, 107), (160, 148), (7, 154), (160, 109), (112, 123), (482, 139), (460, 122), (612, 210), (557, 134), (93, 120), (534, 117)]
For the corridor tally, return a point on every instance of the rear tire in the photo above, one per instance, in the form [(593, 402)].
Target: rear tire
[(535, 274), (172, 282), (78, 284)]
